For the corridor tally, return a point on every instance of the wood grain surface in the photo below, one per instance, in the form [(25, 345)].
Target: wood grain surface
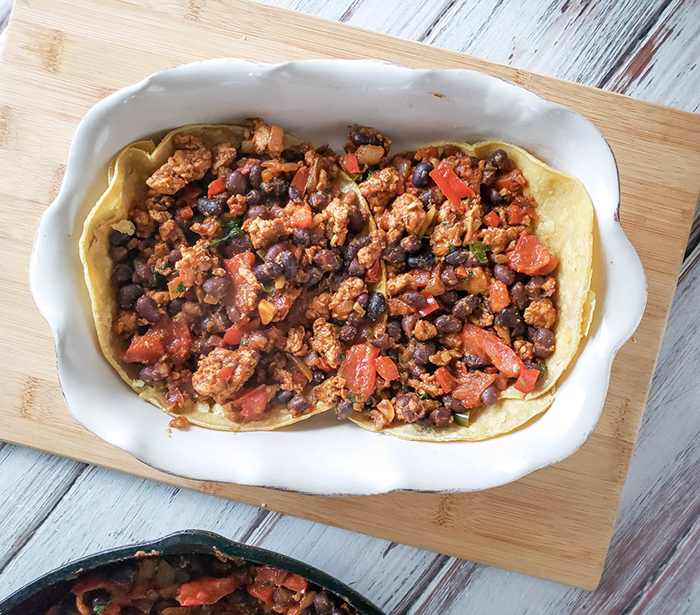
[(50, 515)]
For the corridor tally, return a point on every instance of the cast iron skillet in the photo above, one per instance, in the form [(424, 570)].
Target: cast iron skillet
[(36, 597)]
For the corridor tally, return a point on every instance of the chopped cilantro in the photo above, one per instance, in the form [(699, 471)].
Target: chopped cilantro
[(424, 396), (161, 280), (180, 288), (352, 398), (542, 367), (233, 228), (479, 249), (268, 584), (244, 341), (98, 609), (341, 357), (445, 223), (452, 249)]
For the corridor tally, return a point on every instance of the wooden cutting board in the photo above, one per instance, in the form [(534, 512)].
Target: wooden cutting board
[(61, 56)]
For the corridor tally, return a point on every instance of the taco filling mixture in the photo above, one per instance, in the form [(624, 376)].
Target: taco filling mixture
[(195, 585), (470, 291), (257, 280)]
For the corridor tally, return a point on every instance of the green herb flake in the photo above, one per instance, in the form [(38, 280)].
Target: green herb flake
[(161, 280), (352, 398), (268, 584), (98, 609), (480, 249), (181, 288), (233, 230), (245, 341), (543, 368), (341, 357), (452, 249), (424, 396)]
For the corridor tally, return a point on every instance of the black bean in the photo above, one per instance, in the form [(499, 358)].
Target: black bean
[(175, 306), (294, 194), (394, 253), (318, 377), (128, 295), (518, 295), (457, 257), (508, 317), (290, 264), (343, 410), (118, 253), (252, 198), (503, 273), (151, 373), (130, 610), (448, 298), (275, 187), (362, 136), (487, 178), (147, 308), (323, 604), (393, 330), (421, 177), (239, 244), (518, 330), (144, 273), (498, 159), (381, 341), (414, 299), (490, 395), (452, 403), (122, 274), (283, 397), (302, 237), (417, 370), (209, 207), (236, 182), (534, 288), (448, 324), (449, 276), (328, 260), (255, 175), (423, 352), (267, 271), (474, 362), (216, 323), (319, 200), (422, 260), (282, 596), (119, 239), (292, 155), (315, 275), (356, 221), (376, 306), (356, 269), (411, 244), (216, 287), (347, 333), (353, 247), (363, 299), (465, 306), (441, 417), (494, 196), (355, 318), (543, 343), (298, 404)]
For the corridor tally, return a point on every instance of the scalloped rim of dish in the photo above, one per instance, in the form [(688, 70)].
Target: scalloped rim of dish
[(624, 282)]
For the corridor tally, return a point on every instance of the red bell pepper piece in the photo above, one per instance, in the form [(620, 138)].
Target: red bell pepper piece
[(502, 356), (186, 212), (359, 369), (527, 380), (216, 187), (300, 179), (268, 574), (302, 217), (445, 379), (531, 257), (451, 185), (430, 306), (471, 386), (262, 592), (387, 369), (207, 590), (511, 181), (147, 348), (295, 583), (252, 402)]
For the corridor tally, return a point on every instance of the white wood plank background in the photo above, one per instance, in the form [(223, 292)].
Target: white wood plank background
[(53, 510)]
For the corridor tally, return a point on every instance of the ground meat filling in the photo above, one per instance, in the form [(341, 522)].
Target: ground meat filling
[(461, 300), (236, 274), (196, 584)]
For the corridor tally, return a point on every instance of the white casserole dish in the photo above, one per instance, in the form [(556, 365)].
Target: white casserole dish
[(318, 100)]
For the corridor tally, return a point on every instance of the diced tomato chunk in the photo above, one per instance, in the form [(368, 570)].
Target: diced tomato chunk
[(178, 341), (302, 216), (295, 583), (300, 179), (445, 379), (295, 609), (387, 369), (451, 185), (262, 592), (430, 307), (252, 402), (492, 219), (527, 380), (268, 574), (501, 355), (147, 348), (207, 590), (359, 369), (531, 257), (216, 187), (471, 386), (349, 161), (498, 295), (512, 181), (421, 277)]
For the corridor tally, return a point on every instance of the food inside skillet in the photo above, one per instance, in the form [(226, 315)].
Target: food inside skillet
[(436, 294), (195, 585)]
